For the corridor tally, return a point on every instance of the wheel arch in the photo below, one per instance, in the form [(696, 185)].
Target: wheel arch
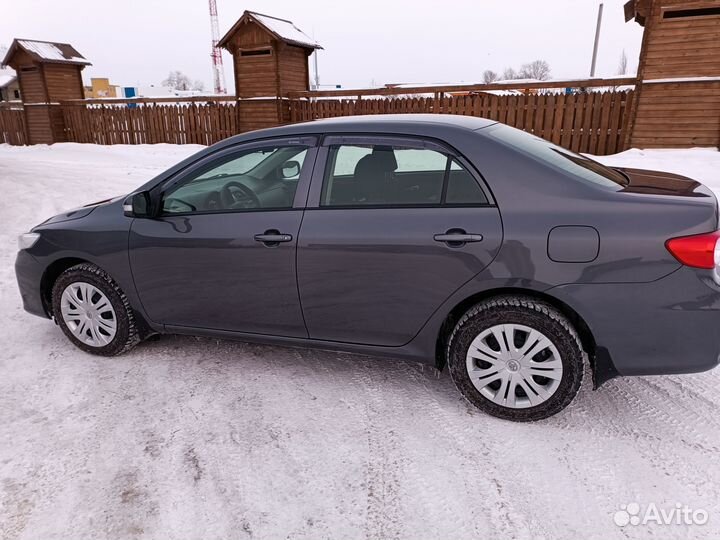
[(50, 275), (587, 340), (57, 267)]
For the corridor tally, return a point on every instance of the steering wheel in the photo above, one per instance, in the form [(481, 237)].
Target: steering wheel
[(236, 195), (171, 201)]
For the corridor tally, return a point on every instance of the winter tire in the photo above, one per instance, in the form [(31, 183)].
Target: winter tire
[(93, 311), (516, 358)]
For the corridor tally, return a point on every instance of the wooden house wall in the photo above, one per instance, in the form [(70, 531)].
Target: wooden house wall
[(293, 64), (258, 114), (681, 47), (63, 82), (32, 86), (255, 76), (677, 115), (39, 125), (682, 113)]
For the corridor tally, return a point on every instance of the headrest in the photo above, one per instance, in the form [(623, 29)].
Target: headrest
[(384, 157)]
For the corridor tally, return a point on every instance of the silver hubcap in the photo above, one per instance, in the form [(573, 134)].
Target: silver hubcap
[(514, 366), (88, 314)]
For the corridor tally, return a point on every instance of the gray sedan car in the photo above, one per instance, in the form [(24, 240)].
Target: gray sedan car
[(452, 240)]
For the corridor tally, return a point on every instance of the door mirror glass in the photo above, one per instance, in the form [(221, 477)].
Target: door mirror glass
[(290, 169), (137, 205)]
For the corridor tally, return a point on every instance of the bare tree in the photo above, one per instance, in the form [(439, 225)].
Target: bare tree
[(623, 65), (177, 80), (509, 74), (538, 69), (489, 76), (198, 85)]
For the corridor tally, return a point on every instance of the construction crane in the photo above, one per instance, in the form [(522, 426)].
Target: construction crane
[(218, 72)]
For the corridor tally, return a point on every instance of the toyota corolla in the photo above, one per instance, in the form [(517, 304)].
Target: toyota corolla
[(452, 240)]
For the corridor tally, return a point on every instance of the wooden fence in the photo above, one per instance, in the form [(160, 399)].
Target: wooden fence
[(12, 124), (591, 122), (150, 123)]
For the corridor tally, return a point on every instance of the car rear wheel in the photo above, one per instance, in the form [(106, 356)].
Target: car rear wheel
[(516, 358), (93, 312)]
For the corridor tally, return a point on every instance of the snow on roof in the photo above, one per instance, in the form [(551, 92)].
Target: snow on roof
[(285, 30), (6, 77), (517, 81), (682, 79), (51, 52), (282, 29), (428, 85)]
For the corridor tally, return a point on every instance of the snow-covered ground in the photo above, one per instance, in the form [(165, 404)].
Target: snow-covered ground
[(200, 438)]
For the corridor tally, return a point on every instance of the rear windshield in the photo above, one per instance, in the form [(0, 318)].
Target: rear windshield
[(578, 165)]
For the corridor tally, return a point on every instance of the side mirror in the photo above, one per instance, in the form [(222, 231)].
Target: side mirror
[(137, 205), (290, 169)]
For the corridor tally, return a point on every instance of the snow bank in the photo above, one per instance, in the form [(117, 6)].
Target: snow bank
[(202, 438)]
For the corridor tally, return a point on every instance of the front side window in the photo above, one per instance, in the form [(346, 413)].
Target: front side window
[(360, 175), (257, 179)]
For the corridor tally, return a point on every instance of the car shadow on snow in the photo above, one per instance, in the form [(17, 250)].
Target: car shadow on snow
[(622, 401)]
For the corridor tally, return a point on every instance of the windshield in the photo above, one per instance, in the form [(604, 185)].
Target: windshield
[(557, 157)]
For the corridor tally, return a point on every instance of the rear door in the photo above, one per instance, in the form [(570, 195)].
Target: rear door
[(393, 227)]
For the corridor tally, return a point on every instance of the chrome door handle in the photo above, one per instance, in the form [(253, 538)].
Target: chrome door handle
[(458, 238), (273, 237)]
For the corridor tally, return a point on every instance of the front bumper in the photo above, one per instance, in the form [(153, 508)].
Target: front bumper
[(668, 326), (29, 274)]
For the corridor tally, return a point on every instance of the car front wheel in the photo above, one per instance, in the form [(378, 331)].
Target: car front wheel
[(93, 311), (516, 358)]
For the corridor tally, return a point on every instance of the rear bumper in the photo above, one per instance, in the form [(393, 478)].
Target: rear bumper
[(671, 325), (29, 274)]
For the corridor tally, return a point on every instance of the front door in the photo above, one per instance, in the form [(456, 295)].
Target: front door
[(398, 226), (221, 255)]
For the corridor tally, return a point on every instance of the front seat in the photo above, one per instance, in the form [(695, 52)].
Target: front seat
[(374, 175)]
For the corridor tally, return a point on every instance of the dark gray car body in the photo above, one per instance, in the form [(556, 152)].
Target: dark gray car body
[(374, 281)]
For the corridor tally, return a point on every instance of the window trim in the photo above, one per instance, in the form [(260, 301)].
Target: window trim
[(251, 52), (390, 139), (310, 142)]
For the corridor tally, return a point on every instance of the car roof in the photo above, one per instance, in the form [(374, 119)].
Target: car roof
[(420, 124), (453, 120)]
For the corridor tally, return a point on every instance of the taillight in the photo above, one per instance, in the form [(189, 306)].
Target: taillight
[(698, 250)]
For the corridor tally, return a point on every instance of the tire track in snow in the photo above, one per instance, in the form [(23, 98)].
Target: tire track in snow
[(288, 441)]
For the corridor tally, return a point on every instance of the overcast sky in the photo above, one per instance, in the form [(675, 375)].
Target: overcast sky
[(137, 42)]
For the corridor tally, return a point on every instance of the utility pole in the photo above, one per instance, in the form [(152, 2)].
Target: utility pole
[(597, 40)]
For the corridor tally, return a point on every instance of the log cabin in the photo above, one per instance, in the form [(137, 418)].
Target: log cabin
[(270, 59), (48, 72)]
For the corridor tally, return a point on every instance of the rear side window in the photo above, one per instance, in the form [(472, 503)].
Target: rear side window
[(557, 157), (360, 175), (462, 188)]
